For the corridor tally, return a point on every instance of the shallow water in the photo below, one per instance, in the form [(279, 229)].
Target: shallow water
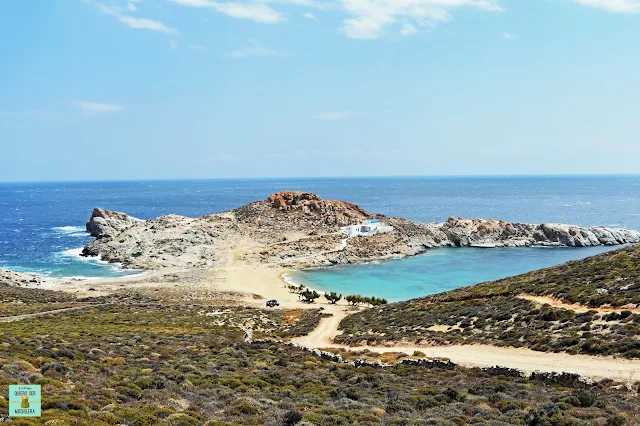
[(439, 270)]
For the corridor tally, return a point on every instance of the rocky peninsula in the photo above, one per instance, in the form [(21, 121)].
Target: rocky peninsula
[(302, 230)]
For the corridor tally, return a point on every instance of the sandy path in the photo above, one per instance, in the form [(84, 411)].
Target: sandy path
[(576, 307), (322, 336), (39, 314), (526, 360)]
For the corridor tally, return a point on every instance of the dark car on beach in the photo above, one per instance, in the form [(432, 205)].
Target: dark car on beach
[(272, 303)]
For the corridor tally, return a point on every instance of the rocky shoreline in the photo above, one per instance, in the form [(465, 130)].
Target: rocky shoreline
[(301, 230)]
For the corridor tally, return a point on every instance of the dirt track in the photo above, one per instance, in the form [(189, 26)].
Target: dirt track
[(39, 314), (593, 367), (576, 307)]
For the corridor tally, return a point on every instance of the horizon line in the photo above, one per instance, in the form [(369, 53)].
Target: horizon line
[(194, 179)]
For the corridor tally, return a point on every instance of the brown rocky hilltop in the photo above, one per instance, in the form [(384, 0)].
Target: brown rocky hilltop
[(332, 212), (300, 229)]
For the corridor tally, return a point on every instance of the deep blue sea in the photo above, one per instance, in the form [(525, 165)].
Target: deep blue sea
[(42, 224)]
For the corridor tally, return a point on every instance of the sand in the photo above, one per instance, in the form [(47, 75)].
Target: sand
[(576, 307), (526, 360), (251, 285)]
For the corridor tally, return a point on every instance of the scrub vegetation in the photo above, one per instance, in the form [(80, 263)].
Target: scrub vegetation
[(22, 301), (144, 362)]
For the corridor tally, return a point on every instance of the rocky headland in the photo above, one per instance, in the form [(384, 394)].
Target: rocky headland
[(300, 230)]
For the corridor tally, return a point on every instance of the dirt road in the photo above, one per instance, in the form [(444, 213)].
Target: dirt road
[(527, 360)]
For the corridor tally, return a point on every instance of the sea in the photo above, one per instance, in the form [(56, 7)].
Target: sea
[(42, 225)]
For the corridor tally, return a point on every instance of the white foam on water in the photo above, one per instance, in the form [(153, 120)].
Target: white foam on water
[(81, 278), (75, 254), (69, 229), (287, 279)]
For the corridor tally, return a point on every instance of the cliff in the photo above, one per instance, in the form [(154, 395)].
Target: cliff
[(299, 229)]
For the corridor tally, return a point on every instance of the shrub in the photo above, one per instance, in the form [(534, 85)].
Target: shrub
[(333, 297), (309, 296), (291, 418)]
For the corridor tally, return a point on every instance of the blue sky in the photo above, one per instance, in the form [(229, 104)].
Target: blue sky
[(93, 90)]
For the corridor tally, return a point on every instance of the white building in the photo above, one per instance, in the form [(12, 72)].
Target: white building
[(366, 229)]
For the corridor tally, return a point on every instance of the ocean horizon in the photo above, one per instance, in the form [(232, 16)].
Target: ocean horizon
[(328, 177)]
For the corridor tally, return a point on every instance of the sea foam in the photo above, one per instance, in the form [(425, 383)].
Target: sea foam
[(72, 231)]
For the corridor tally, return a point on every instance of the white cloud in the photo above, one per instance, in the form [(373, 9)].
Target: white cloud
[(197, 47), (132, 7), (509, 36), (338, 115), (253, 49), (408, 29), (367, 19), (615, 6), (291, 154), (254, 11), (89, 107), (147, 24), (370, 18), (136, 23)]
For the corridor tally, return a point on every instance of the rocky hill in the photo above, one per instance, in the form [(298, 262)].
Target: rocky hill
[(299, 229)]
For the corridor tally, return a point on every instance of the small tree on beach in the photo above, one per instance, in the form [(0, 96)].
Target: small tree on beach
[(376, 301), (333, 297), (356, 299), (309, 296)]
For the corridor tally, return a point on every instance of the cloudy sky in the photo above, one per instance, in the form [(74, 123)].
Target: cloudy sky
[(116, 89)]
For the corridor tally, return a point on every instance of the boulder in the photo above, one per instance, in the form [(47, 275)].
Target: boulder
[(108, 223)]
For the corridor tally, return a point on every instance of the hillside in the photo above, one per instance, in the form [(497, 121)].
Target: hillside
[(503, 313), (148, 361)]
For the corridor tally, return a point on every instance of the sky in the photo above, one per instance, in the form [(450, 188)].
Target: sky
[(166, 89)]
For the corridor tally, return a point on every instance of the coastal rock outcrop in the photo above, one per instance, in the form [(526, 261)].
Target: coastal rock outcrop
[(334, 212), (463, 232), (300, 229), (108, 223)]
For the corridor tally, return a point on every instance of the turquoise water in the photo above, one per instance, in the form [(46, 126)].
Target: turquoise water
[(440, 270)]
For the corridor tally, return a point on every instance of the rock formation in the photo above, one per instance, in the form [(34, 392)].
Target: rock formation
[(108, 223), (338, 213), (299, 229), (464, 232)]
